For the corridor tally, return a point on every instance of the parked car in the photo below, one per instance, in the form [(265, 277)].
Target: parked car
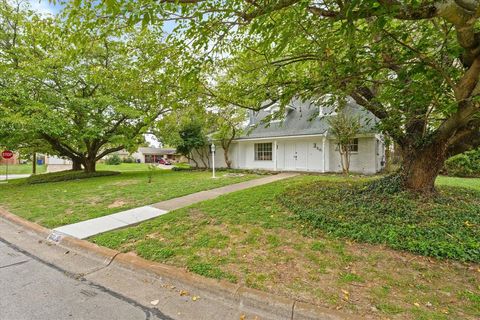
[(164, 162)]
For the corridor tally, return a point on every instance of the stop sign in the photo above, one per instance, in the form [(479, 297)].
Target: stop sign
[(7, 154)]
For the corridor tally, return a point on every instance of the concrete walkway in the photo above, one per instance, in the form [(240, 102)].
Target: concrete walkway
[(88, 228), (13, 176)]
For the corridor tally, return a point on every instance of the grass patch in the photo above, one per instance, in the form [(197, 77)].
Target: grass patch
[(65, 202), (469, 183), (210, 271), (123, 167), (67, 176), (446, 226), (21, 169), (350, 277), (249, 237)]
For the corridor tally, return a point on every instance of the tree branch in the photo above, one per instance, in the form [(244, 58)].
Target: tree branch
[(108, 151)]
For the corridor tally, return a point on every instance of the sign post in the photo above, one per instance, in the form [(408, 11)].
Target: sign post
[(212, 148), (7, 154)]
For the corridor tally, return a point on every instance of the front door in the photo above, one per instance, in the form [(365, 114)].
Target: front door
[(290, 156), (296, 156), (301, 155)]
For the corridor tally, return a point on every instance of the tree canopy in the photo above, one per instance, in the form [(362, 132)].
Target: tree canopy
[(87, 90), (414, 64)]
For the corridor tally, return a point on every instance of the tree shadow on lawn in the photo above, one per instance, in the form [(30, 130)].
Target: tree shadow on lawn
[(249, 237)]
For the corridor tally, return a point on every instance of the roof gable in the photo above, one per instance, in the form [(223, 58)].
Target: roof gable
[(302, 118)]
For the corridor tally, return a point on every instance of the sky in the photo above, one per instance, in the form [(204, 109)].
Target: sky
[(44, 6)]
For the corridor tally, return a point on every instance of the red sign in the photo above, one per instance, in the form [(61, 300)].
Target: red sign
[(7, 154)]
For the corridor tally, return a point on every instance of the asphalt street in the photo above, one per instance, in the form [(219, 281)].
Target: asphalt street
[(33, 289)]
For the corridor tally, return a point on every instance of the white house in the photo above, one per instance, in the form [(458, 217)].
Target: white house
[(301, 141)]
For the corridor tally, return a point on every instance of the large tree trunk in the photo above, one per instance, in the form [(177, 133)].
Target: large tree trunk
[(76, 165), (422, 166), (90, 165)]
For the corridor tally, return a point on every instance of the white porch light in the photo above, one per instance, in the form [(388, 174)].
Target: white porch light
[(212, 149)]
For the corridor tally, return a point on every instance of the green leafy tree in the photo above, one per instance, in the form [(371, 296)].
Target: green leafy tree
[(191, 140), (85, 89), (230, 122), (414, 64), (345, 128)]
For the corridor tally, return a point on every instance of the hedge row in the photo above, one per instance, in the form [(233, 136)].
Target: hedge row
[(464, 165), (67, 175)]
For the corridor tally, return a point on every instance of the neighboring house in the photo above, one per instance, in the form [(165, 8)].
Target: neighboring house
[(301, 141), (54, 163), (13, 160), (152, 155)]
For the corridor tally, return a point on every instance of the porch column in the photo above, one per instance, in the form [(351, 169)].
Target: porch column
[(275, 154), (326, 154)]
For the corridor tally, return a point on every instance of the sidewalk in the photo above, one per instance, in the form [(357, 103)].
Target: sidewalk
[(14, 176), (88, 228), (160, 290)]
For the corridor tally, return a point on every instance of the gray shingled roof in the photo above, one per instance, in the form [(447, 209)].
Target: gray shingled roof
[(147, 150), (303, 118)]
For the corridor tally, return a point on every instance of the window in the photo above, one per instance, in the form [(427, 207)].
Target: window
[(354, 145), (263, 151)]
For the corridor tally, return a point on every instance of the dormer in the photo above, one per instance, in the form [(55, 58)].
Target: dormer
[(273, 112), (327, 105)]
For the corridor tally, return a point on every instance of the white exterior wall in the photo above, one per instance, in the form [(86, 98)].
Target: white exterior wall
[(245, 157), (289, 154), (311, 154), (364, 161), (380, 153), (219, 158), (138, 155), (56, 160)]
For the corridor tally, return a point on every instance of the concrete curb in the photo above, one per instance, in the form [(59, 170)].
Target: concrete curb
[(278, 306), (24, 223)]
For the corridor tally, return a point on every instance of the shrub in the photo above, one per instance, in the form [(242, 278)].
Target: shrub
[(245, 171), (445, 226), (464, 165), (128, 159), (113, 160), (67, 175), (183, 165)]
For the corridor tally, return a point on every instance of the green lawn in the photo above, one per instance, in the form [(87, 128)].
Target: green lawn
[(250, 237), (60, 203), (472, 183), (21, 169), (124, 167)]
